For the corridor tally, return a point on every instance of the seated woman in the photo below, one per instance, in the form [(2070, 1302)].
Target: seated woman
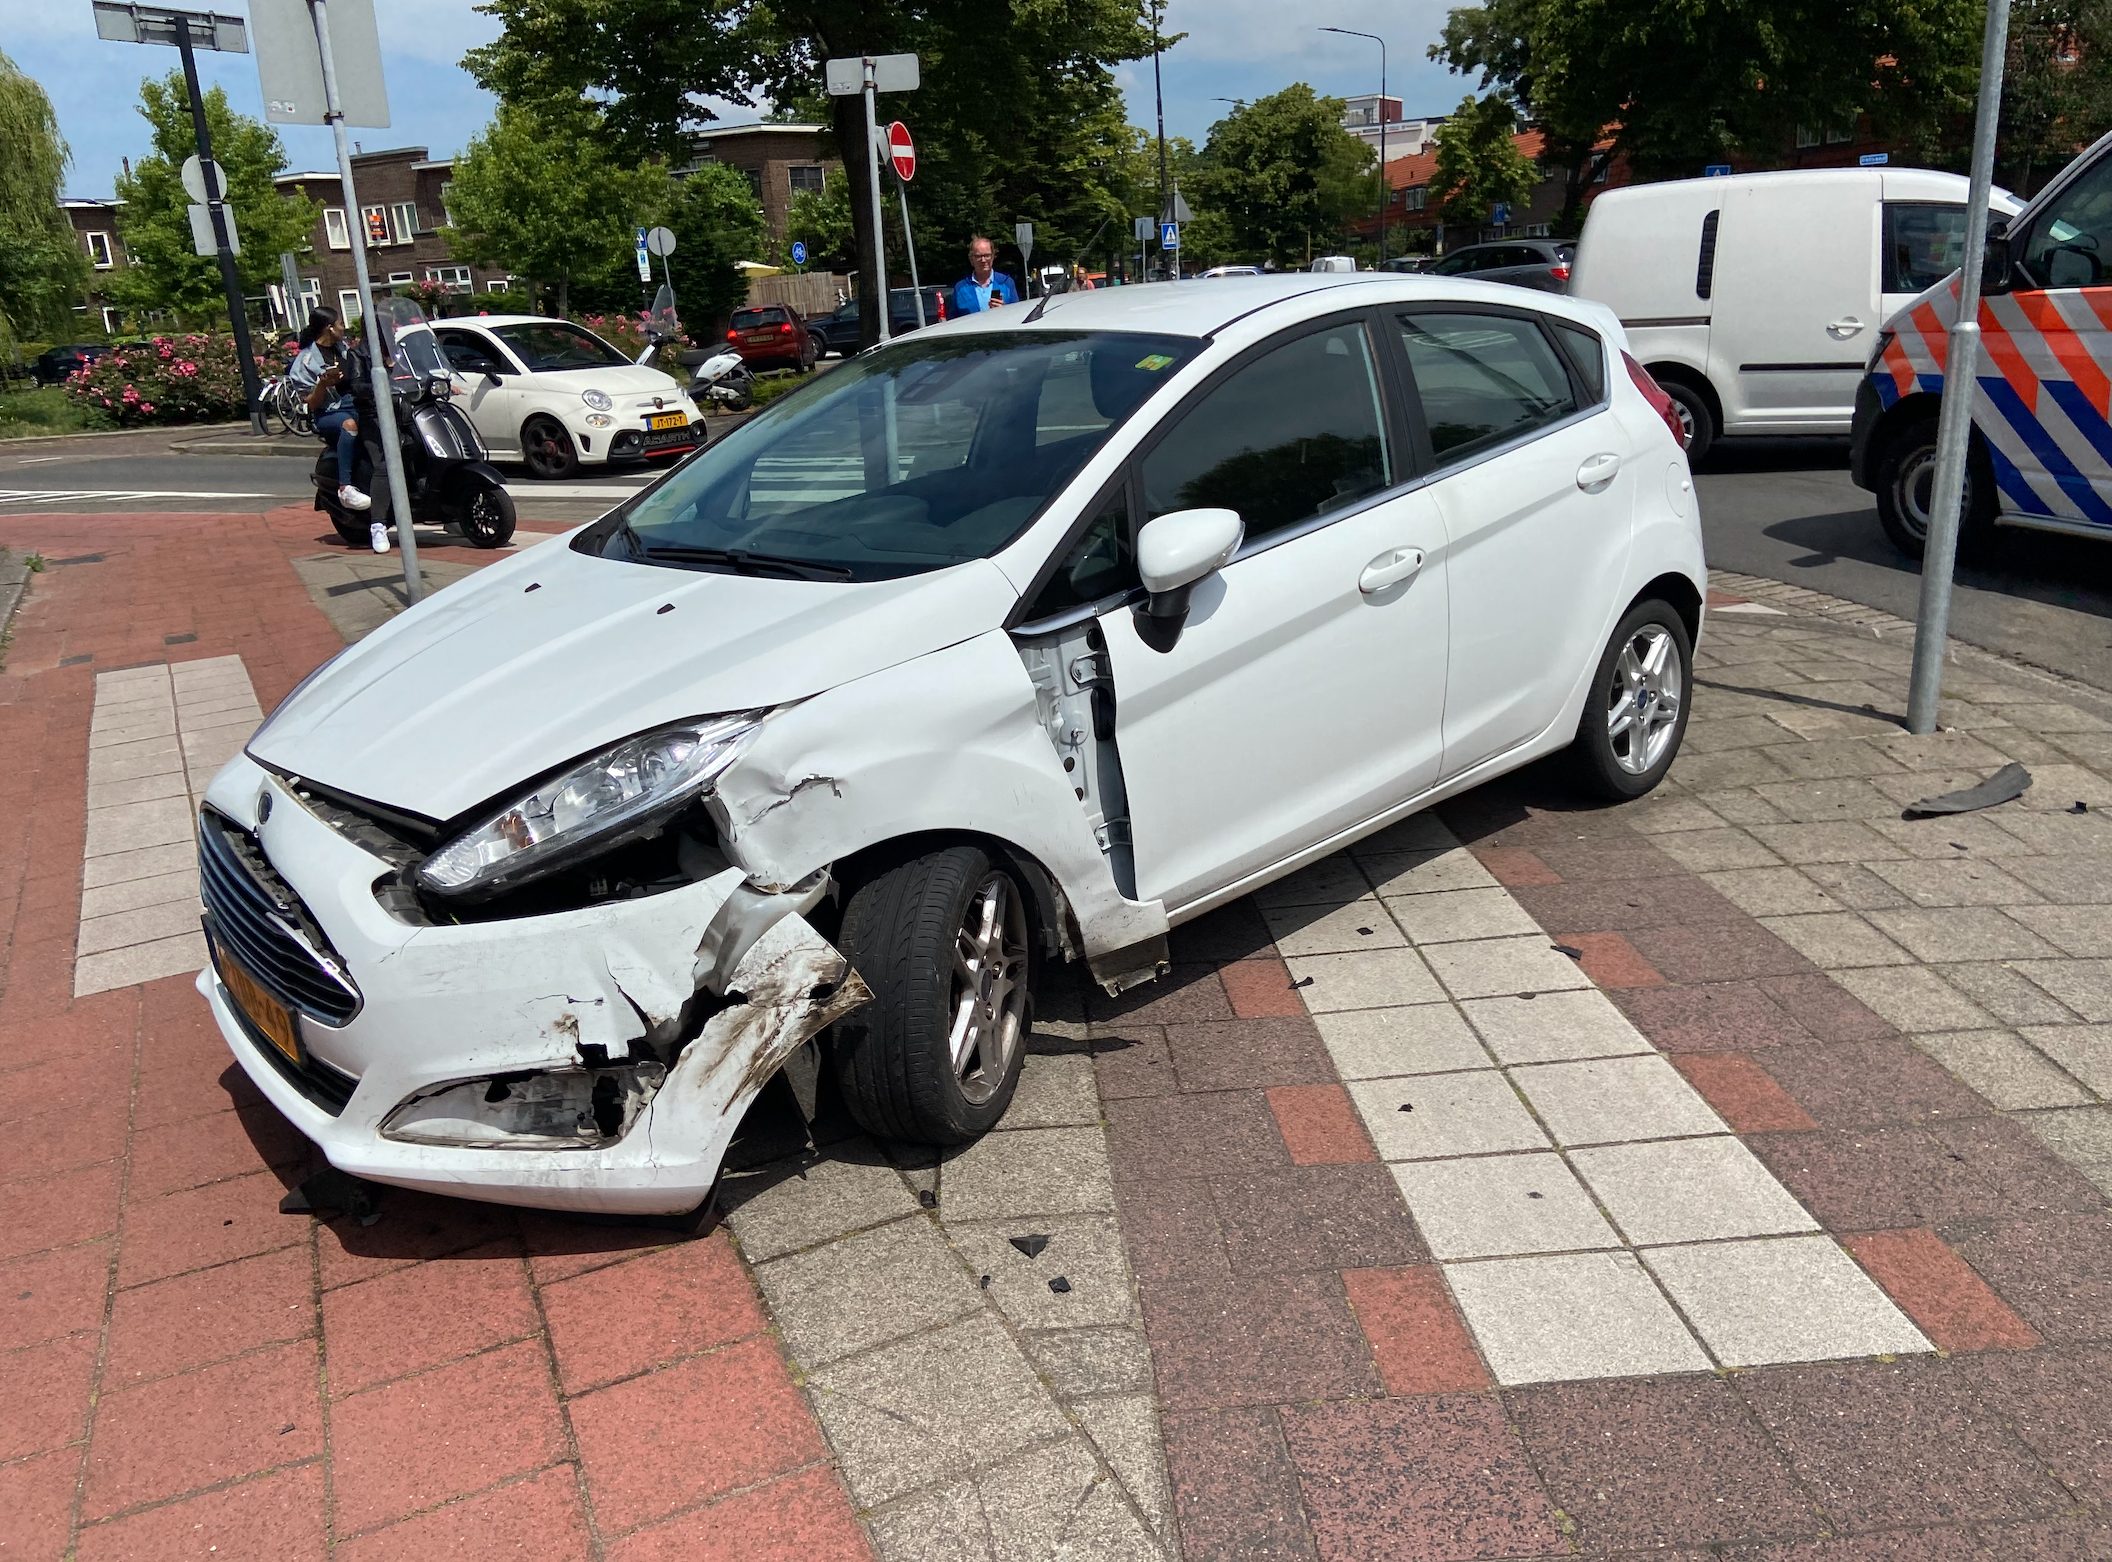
[(319, 375)]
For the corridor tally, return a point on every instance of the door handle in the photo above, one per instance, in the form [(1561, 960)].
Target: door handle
[(1845, 327), (1390, 569), (1597, 471)]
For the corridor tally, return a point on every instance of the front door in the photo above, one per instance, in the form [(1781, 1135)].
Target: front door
[(1795, 311), (1533, 479), (1306, 692), (2043, 396), (492, 405)]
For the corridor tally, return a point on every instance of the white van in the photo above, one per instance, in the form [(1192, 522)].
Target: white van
[(1335, 263), (1754, 299)]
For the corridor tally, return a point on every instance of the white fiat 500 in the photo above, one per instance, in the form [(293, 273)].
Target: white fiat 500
[(1024, 639), (555, 397)]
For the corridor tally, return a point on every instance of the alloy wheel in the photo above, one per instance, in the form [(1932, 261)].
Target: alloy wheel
[(482, 516), (1644, 699), (1914, 492), (989, 988)]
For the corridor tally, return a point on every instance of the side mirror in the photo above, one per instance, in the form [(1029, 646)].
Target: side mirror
[(1176, 551), (493, 376), (1996, 260)]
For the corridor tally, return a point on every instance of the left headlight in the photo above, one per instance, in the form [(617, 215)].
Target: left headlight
[(625, 790), (598, 400)]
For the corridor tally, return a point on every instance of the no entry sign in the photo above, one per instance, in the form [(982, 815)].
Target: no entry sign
[(901, 151)]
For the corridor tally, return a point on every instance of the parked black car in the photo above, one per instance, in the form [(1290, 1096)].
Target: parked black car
[(837, 332), (1535, 263), (55, 364)]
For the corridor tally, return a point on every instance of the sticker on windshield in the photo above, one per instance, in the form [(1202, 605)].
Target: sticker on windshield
[(1154, 362)]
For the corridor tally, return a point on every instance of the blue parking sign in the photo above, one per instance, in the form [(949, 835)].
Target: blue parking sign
[(799, 253), (1169, 235)]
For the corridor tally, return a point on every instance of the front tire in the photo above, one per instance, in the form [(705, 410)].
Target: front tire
[(944, 942), (548, 450), (1906, 490), (487, 519), (1636, 712)]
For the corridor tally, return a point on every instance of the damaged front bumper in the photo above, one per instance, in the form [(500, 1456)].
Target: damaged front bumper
[(592, 1060)]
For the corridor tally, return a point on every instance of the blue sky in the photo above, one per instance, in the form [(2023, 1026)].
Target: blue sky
[(1234, 49)]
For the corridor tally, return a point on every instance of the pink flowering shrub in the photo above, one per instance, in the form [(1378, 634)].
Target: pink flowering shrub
[(624, 332), (191, 377)]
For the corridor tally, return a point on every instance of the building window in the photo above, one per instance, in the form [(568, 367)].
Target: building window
[(334, 233), (1841, 135), (403, 217), (755, 181), (311, 294), (99, 250), (1415, 197), (398, 277), (447, 216), (1539, 230), (347, 303), (499, 285), (375, 219), (455, 278), (1806, 136), (806, 176)]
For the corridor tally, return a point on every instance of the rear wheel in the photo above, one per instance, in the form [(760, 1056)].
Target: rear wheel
[(547, 449), (1906, 491), (1636, 712), (943, 942), (1695, 418)]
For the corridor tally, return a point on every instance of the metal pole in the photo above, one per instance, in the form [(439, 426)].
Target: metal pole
[(377, 357), (872, 150), (1955, 421), (230, 279), (1385, 190), (910, 244), (1159, 99)]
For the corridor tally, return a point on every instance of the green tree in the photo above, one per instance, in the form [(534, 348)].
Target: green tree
[(1676, 86), (1478, 162), (821, 219), (1285, 176), (153, 219), (716, 221), (1018, 116), (42, 268), (542, 192), (2056, 89)]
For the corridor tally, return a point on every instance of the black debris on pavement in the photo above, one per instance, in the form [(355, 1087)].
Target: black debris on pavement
[(1303, 981), (1571, 950), (1365, 931), (927, 1198), (1531, 1195), (1060, 1286), (986, 1282), (1406, 1106), (1031, 1245), (2009, 783), (2080, 807)]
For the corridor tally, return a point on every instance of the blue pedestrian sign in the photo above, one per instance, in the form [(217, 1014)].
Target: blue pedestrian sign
[(1169, 235), (645, 264), (1716, 171), (1874, 159), (799, 253)]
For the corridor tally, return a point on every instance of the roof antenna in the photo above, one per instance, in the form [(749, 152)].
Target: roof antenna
[(1034, 314)]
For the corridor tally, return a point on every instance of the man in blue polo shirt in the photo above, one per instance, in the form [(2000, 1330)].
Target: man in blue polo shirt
[(982, 288)]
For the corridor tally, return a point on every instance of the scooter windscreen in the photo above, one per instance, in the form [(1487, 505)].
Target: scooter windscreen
[(660, 321), (408, 339)]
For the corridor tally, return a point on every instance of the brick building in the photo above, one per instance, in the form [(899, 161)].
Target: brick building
[(777, 159), (1412, 209), (95, 229), (403, 210)]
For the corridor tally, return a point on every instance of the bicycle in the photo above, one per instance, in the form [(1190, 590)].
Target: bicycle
[(283, 405)]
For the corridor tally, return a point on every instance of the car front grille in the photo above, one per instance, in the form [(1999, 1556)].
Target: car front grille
[(263, 924), (320, 1084)]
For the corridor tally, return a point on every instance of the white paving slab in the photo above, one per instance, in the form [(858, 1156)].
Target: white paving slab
[(1579, 1315), (1491, 1206), (1786, 1299)]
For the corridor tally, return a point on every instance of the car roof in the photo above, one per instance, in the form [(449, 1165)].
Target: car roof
[(1188, 309)]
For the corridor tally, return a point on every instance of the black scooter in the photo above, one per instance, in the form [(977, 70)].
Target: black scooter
[(446, 474)]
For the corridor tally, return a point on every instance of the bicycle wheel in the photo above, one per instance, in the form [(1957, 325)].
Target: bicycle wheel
[(271, 401), (299, 420)]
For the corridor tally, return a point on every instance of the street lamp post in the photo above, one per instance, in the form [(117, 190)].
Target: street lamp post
[(1159, 102), (188, 31), (1385, 188)]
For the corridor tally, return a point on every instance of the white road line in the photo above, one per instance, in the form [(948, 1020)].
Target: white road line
[(40, 460), (104, 495)]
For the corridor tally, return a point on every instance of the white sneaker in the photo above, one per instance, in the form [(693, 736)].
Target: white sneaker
[(378, 534), (352, 499)]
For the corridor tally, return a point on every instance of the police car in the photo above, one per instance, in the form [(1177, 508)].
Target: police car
[(2041, 454)]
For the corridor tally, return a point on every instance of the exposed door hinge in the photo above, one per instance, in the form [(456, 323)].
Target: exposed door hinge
[(1112, 833), (1089, 669)]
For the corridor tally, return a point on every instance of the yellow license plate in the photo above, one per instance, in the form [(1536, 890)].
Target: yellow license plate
[(661, 420), (271, 1017)]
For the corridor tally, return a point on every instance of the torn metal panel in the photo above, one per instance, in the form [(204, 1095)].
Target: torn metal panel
[(982, 765)]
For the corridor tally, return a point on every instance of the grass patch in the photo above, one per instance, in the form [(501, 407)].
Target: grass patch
[(26, 414)]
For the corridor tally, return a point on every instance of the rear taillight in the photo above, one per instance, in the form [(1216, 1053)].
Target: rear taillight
[(785, 329), (733, 336), (942, 306), (1654, 393), (1559, 271)]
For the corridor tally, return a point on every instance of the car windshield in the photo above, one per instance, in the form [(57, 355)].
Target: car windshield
[(546, 346), (911, 458)]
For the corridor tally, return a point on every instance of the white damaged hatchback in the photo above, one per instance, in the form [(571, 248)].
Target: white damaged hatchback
[(1024, 639)]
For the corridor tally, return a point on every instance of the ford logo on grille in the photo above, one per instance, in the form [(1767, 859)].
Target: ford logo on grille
[(263, 803)]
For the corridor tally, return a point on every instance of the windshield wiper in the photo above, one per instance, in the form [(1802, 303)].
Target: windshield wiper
[(745, 561)]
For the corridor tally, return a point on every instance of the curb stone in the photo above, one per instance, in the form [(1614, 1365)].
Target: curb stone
[(14, 585)]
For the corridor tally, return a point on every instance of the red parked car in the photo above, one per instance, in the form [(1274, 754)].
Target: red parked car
[(772, 336)]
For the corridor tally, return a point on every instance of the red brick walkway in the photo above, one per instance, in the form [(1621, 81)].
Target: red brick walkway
[(189, 1372)]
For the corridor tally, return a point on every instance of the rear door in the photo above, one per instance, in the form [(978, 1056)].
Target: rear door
[(1531, 474), (2044, 399), (1796, 307)]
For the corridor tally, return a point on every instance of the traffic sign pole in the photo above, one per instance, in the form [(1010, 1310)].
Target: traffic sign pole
[(872, 141), (223, 250), (902, 153)]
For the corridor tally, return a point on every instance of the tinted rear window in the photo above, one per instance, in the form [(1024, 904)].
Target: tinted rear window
[(749, 319)]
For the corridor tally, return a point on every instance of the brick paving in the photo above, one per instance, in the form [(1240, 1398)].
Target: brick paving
[(1751, 1203)]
